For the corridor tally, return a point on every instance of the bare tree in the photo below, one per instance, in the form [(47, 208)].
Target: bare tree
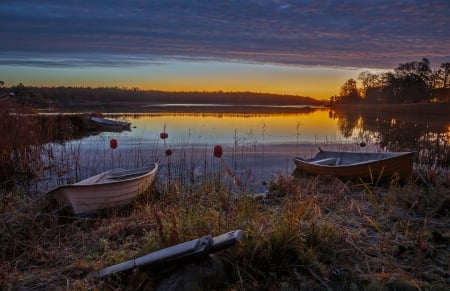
[(446, 73)]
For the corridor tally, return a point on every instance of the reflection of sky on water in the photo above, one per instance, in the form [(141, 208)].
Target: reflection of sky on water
[(230, 128)]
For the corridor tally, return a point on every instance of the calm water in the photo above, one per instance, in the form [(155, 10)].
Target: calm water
[(227, 128), (256, 146)]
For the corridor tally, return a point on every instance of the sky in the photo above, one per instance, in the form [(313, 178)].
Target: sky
[(304, 47)]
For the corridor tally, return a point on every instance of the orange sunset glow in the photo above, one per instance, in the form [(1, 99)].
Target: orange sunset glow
[(319, 83)]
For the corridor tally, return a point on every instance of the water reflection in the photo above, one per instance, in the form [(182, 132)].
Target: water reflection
[(311, 126), (428, 135)]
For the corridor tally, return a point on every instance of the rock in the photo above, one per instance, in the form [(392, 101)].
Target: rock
[(444, 208), (399, 284), (208, 273)]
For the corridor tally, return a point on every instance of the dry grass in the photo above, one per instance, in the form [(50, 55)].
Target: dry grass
[(306, 233)]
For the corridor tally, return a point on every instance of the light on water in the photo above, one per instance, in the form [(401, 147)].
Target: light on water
[(225, 128), (256, 146)]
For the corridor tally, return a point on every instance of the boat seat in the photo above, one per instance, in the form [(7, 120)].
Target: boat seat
[(120, 174), (327, 161), (125, 176)]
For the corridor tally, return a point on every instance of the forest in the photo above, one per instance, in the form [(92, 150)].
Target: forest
[(408, 83), (67, 97)]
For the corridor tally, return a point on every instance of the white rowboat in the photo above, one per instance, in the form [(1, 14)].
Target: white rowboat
[(116, 187)]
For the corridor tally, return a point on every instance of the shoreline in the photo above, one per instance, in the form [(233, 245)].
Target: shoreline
[(133, 108)]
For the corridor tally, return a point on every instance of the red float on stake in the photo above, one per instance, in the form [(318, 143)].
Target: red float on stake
[(218, 151), (163, 135), (113, 143), (168, 152)]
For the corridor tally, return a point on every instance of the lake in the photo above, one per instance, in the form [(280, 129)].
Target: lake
[(225, 128), (257, 146)]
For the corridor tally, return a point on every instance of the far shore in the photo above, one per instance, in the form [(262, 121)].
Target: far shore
[(429, 108), (132, 107)]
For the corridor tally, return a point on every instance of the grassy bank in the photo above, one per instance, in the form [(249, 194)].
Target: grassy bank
[(305, 233)]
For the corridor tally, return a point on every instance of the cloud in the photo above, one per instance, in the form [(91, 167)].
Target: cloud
[(378, 34)]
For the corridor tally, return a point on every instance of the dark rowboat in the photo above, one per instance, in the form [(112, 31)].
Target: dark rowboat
[(353, 165)]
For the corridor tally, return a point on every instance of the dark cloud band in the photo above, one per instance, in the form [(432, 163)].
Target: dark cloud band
[(326, 33)]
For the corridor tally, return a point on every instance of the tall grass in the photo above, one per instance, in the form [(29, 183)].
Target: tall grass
[(25, 135), (20, 143)]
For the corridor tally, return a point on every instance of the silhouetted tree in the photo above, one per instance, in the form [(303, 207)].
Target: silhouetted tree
[(445, 68), (371, 87), (441, 82), (410, 82), (349, 92)]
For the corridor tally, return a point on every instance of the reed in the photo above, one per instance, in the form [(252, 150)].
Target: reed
[(21, 143)]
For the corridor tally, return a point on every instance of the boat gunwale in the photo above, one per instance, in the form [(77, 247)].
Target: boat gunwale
[(394, 162), (106, 121), (392, 155)]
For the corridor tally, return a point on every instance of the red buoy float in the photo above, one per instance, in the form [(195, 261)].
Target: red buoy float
[(218, 151), (163, 135), (113, 143)]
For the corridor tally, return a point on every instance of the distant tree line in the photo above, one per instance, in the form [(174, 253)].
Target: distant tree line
[(408, 83), (71, 96)]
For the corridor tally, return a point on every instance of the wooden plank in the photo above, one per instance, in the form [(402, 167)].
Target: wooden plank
[(327, 161), (181, 252), (193, 247), (226, 240)]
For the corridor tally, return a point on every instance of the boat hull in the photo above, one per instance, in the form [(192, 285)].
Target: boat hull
[(109, 124), (353, 165), (106, 190)]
